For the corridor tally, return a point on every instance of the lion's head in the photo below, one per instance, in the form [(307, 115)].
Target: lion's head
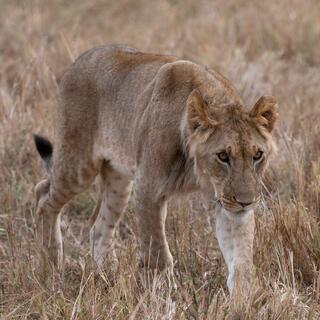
[(231, 147)]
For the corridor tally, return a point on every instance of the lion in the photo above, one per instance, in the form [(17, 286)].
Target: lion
[(165, 126)]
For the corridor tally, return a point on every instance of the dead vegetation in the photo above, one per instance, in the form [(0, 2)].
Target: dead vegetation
[(264, 47)]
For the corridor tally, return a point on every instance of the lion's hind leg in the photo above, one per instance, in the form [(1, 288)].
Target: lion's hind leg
[(115, 190), (67, 177), (49, 204)]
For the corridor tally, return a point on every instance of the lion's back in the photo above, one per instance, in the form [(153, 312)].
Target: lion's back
[(99, 94)]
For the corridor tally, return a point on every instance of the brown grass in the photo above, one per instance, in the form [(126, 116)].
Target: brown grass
[(264, 47)]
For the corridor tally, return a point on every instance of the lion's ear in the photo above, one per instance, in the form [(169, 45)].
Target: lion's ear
[(265, 112), (197, 111)]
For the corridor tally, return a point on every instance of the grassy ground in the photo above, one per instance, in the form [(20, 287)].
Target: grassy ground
[(264, 47)]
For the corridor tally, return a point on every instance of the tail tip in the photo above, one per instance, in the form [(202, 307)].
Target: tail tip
[(43, 145)]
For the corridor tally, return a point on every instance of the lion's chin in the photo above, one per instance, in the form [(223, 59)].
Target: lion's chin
[(236, 214)]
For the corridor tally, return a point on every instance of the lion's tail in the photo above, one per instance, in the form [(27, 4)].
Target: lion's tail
[(45, 149)]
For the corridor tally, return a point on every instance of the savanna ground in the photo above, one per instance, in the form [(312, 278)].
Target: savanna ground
[(264, 47)]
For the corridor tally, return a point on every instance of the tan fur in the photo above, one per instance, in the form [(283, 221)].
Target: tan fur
[(160, 122)]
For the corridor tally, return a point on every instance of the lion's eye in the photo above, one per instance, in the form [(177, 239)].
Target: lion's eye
[(258, 156), (223, 156)]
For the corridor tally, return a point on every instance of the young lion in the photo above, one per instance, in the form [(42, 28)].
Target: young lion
[(170, 126)]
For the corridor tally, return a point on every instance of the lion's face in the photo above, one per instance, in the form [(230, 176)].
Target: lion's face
[(231, 151)]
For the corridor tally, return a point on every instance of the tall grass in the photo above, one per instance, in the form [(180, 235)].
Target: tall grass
[(263, 47)]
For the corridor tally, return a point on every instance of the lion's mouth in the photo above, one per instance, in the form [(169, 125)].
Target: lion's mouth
[(235, 207)]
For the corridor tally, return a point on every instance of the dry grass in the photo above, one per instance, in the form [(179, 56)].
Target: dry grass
[(263, 47)]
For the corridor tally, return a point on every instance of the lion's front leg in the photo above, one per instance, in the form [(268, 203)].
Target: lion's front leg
[(151, 216), (235, 236)]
